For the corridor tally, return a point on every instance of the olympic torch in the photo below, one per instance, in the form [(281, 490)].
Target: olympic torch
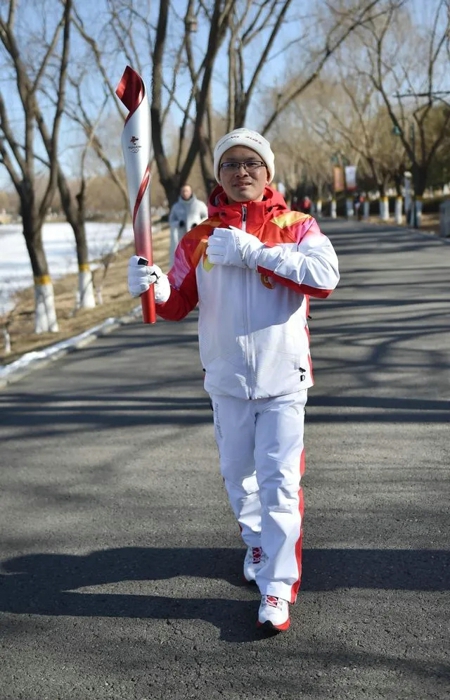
[(136, 147)]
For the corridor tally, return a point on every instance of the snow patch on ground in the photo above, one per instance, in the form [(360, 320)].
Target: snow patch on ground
[(16, 274), (59, 245)]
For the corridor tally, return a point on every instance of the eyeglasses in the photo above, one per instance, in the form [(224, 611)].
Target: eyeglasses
[(250, 166)]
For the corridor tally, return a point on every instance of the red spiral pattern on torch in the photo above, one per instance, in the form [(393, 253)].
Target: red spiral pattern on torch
[(130, 90), (142, 189)]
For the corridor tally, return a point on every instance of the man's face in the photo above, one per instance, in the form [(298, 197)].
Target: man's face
[(186, 192), (243, 185)]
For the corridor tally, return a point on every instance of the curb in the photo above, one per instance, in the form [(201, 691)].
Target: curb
[(32, 361)]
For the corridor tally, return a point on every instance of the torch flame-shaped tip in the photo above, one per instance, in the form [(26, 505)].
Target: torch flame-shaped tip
[(130, 90)]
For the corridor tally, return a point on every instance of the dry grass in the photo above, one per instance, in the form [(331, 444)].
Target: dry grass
[(117, 302), (430, 222)]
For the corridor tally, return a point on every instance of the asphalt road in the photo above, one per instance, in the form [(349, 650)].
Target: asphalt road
[(120, 558)]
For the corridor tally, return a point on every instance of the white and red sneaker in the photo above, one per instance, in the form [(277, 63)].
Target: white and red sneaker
[(273, 614), (254, 560)]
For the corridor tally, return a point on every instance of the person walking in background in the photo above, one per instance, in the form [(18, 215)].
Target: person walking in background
[(295, 204), (252, 267), (306, 205), (187, 212), (359, 205)]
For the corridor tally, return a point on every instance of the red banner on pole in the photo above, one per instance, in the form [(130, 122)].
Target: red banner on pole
[(136, 147), (338, 179)]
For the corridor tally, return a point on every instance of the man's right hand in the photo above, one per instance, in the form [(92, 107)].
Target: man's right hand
[(141, 276)]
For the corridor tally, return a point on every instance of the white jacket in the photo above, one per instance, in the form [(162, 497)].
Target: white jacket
[(253, 325), (184, 215)]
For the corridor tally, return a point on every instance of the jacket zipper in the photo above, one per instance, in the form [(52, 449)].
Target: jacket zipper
[(244, 218)]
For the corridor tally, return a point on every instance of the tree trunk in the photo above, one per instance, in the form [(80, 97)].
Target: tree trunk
[(85, 281), (45, 311), (420, 179), (172, 186), (76, 216), (208, 176)]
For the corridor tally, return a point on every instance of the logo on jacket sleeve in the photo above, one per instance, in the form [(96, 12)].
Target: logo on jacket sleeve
[(267, 282)]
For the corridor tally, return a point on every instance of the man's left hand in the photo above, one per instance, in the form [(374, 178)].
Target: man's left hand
[(231, 246)]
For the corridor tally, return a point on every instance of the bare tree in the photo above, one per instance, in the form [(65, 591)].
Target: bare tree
[(252, 35), (75, 211), (219, 17), (29, 64), (163, 46), (351, 112), (256, 38), (411, 81), (304, 152), (254, 28), (239, 39), (334, 23)]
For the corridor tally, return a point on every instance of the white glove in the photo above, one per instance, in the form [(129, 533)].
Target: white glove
[(141, 276), (231, 246)]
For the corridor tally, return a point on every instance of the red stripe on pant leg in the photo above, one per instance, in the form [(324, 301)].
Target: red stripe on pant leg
[(302, 463), (298, 544)]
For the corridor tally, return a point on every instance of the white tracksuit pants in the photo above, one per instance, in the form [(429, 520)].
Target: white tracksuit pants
[(261, 460)]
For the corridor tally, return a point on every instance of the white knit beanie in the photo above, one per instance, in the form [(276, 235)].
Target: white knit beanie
[(251, 139)]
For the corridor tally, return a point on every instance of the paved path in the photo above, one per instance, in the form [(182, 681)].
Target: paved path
[(120, 557)]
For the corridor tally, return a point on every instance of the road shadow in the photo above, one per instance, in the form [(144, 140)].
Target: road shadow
[(376, 409), (46, 584)]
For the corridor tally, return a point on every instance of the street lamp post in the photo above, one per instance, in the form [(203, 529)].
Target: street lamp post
[(335, 162), (407, 177), (415, 221)]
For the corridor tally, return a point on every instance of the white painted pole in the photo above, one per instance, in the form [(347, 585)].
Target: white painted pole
[(45, 316), (398, 211), (86, 288)]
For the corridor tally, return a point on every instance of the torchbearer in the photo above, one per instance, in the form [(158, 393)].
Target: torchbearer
[(251, 269), (136, 146)]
